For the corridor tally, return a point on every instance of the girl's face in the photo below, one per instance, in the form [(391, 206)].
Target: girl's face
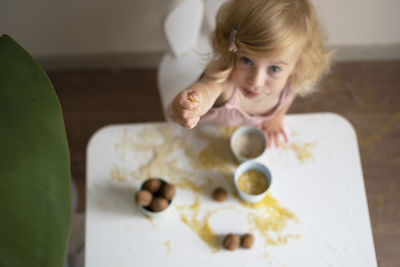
[(262, 76)]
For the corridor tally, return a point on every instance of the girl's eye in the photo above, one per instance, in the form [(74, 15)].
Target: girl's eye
[(246, 60), (274, 69)]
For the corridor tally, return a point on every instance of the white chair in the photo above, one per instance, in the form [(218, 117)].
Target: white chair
[(187, 27), (211, 7)]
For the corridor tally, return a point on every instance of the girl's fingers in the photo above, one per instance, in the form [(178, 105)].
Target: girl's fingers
[(275, 139), (269, 136), (194, 97), (184, 103), (191, 123), (189, 114), (189, 100), (285, 138)]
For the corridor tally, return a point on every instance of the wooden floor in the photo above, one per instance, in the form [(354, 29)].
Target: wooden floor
[(367, 94)]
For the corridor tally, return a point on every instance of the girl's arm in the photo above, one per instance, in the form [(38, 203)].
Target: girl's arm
[(274, 128), (190, 104)]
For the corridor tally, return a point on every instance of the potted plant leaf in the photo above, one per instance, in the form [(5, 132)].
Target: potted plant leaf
[(35, 209)]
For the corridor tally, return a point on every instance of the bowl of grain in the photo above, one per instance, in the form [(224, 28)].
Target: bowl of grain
[(252, 181), (248, 142)]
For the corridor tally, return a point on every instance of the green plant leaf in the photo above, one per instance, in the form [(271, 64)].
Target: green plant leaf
[(35, 210)]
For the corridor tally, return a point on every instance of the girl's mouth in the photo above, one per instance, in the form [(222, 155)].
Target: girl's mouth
[(249, 93)]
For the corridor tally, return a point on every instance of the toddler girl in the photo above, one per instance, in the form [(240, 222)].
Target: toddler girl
[(265, 53)]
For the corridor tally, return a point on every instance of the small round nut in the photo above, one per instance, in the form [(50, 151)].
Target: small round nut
[(168, 191), (144, 198), (220, 194), (247, 240), (159, 204), (153, 185), (231, 241)]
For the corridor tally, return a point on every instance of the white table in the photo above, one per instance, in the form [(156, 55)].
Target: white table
[(317, 198)]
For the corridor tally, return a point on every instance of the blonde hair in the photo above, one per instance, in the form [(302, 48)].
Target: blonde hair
[(268, 28)]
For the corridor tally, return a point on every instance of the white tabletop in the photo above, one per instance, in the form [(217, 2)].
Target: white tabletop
[(316, 213)]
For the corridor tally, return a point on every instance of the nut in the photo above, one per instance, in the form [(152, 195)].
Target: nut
[(231, 241), (159, 204), (247, 240), (144, 198), (153, 185), (220, 194), (168, 191)]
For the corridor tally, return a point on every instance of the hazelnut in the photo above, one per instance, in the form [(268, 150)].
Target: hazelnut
[(153, 185), (159, 204), (220, 194), (168, 191), (144, 198), (247, 240), (231, 241)]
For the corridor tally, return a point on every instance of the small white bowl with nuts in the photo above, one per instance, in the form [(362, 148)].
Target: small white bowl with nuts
[(155, 197)]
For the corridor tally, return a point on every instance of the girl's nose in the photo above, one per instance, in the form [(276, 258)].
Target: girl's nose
[(257, 78)]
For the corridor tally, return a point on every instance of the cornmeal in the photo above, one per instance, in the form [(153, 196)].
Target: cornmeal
[(192, 99), (249, 145), (266, 217), (253, 182)]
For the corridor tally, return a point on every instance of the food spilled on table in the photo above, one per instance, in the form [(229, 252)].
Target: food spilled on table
[(163, 149)]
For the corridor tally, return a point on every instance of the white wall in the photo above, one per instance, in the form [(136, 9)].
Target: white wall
[(54, 27), (361, 22), (86, 27)]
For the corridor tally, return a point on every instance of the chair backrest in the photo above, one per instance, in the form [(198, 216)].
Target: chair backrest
[(182, 25), (190, 49), (211, 9)]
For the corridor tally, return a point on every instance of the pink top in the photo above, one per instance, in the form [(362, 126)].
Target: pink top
[(231, 114)]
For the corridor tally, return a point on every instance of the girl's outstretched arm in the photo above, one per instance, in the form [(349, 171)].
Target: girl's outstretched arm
[(190, 104), (274, 128)]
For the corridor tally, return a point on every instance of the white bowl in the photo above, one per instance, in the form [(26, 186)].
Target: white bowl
[(247, 166), (154, 214), (151, 213), (248, 142)]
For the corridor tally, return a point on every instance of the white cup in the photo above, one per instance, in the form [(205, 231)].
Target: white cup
[(247, 166), (148, 212), (239, 143)]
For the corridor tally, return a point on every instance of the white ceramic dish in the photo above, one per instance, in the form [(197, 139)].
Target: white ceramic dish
[(242, 140), (247, 166), (155, 214)]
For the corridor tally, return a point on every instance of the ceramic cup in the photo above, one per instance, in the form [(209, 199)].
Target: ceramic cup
[(248, 142), (155, 214), (247, 166)]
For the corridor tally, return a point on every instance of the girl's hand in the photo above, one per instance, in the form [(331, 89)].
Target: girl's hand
[(185, 108), (274, 131)]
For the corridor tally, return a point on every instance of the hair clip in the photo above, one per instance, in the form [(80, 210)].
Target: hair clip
[(232, 41)]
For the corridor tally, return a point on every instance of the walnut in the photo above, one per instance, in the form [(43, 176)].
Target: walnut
[(144, 198), (220, 194), (168, 191), (231, 241), (153, 185), (159, 204), (247, 240)]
